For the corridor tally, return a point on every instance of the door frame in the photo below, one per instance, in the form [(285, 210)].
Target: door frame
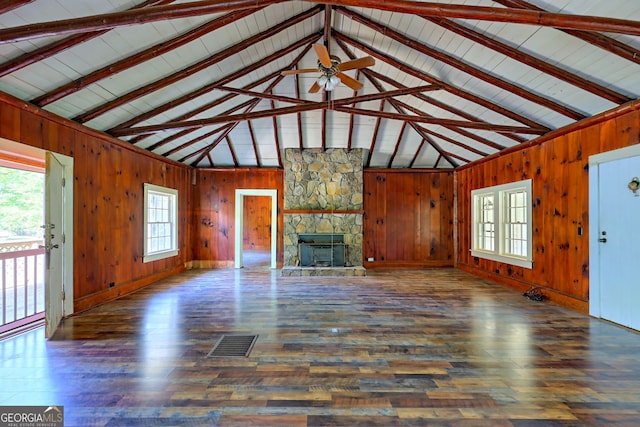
[(239, 222), (595, 287)]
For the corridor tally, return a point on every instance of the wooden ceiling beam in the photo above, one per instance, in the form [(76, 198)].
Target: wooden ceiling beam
[(426, 77), (602, 41), (376, 131), (493, 14), (457, 130), (397, 145), (447, 156), (199, 66), (453, 110), (174, 150), (232, 151), (531, 61), (462, 66), (417, 153), (276, 74), (376, 79), (107, 21), (227, 79), (182, 134), (300, 132), (140, 57), (396, 104), (281, 98), (303, 106), (492, 127), (255, 103), (9, 5), (276, 136), (204, 7), (252, 134), (51, 49)]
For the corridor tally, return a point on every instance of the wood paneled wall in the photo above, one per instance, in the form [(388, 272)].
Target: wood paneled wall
[(108, 201), (559, 170), (408, 219), (214, 213)]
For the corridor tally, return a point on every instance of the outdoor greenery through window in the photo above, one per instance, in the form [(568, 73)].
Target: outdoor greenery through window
[(160, 222), (502, 229), (21, 205)]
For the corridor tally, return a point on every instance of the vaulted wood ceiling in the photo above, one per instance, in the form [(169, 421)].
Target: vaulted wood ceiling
[(200, 82)]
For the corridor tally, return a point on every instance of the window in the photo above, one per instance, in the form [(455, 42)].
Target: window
[(160, 222), (502, 229)]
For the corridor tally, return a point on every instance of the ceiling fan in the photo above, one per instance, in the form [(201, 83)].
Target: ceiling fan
[(332, 69)]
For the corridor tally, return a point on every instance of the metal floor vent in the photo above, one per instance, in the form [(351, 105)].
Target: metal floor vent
[(233, 346)]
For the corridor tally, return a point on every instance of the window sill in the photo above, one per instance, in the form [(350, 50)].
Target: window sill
[(159, 255), (519, 262)]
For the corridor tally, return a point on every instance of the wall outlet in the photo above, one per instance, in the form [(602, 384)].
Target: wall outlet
[(112, 284), (370, 259)]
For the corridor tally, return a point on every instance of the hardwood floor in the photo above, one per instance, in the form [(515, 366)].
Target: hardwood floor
[(395, 348)]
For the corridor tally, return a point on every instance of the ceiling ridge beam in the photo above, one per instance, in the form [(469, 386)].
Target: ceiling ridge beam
[(140, 57), (307, 106), (199, 66), (204, 7), (463, 66), (428, 78), (602, 41), (56, 47), (532, 61)]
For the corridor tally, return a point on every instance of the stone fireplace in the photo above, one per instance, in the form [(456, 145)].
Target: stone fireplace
[(323, 194)]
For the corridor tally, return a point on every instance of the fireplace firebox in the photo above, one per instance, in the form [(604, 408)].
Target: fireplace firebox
[(321, 250)]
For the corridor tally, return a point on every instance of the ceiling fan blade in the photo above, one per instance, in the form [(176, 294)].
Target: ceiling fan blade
[(349, 81), (302, 70), (323, 54), (367, 61), (314, 88)]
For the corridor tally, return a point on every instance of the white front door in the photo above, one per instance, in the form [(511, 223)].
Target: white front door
[(618, 242), (57, 240)]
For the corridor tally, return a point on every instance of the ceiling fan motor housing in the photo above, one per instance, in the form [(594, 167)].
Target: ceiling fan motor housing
[(334, 69)]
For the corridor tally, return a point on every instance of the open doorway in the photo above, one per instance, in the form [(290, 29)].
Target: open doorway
[(267, 222), (54, 230), (22, 258)]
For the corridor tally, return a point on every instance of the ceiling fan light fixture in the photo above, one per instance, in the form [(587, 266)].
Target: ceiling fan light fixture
[(329, 82)]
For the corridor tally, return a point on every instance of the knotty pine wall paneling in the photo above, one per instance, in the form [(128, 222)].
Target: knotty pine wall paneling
[(214, 212), (408, 220), (108, 201), (558, 167)]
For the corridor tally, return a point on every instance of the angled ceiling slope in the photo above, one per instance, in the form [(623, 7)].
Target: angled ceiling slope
[(201, 82)]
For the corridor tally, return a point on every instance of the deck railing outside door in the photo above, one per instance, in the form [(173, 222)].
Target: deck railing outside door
[(22, 265)]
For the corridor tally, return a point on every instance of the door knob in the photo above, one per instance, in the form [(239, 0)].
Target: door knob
[(602, 240)]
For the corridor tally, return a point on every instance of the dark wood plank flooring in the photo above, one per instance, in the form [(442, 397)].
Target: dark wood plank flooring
[(395, 348)]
